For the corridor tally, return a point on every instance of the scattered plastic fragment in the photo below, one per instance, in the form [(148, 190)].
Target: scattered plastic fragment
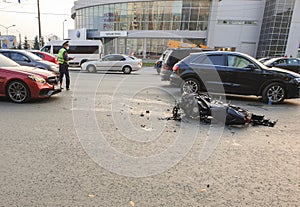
[(91, 196), (132, 203)]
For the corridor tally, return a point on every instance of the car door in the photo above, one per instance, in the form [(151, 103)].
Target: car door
[(211, 70), (243, 75), (106, 63), (21, 59), (3, 77), (118, 62)]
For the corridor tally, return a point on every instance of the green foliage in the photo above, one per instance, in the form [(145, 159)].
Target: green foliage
[(20, 46), (148, 64), (25, 45), (42, 42), (36, 44)]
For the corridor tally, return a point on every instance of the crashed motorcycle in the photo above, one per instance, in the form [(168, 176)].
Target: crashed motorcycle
[(209, 110)]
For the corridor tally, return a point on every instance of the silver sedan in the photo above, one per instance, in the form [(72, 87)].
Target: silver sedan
[(114, 62)]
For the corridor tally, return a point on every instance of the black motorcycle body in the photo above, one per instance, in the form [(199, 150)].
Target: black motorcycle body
[(204, 107)]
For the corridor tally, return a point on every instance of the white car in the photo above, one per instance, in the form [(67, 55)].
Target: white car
[(114, 62)]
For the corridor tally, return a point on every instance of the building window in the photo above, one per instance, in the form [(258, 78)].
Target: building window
[(157, 15)]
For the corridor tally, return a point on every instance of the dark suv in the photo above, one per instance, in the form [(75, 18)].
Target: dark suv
[(172, 57), (26, 58), (234, 73)]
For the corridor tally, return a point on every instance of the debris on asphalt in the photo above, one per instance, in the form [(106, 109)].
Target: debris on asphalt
[(132, 203), (202, 190)]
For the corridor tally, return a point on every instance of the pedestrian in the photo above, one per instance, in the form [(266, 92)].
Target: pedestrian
[(63, 61)]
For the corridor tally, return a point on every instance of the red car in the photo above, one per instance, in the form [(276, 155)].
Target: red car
[(45, 56), (22, 83)]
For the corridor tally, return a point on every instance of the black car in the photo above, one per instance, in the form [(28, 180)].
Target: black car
[(292, 64), (26, 58), (234, 73), (172, 57)]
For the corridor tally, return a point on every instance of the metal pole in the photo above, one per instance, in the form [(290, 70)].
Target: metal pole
[(39, 21), (64, 29)]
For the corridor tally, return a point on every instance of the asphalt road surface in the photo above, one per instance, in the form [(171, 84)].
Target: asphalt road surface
[(103, 143)]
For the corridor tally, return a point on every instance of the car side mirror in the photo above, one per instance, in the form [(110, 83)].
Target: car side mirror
[(251, 67)]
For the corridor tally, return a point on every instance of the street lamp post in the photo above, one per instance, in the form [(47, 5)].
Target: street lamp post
[(7, 27), (64, 29)]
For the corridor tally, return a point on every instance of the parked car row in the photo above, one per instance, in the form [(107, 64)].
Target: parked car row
[(234, 73), (21, 83), (27, 58)]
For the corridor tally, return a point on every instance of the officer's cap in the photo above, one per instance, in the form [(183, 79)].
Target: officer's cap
[(65, 43)]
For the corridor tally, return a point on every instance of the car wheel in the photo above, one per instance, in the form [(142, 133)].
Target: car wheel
[(18, 92), (274, 93), (91, 68), (127, 70), (190, 85)]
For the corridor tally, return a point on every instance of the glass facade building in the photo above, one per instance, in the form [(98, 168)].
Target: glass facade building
[(257, 27), (145, 15), (169, 15), (275, 28)]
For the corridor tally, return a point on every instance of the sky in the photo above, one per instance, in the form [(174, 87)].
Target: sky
[(24, 16)]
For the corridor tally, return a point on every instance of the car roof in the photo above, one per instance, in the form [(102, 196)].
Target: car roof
[(117, 54), (15, 50), (222, 52), (278, 58)]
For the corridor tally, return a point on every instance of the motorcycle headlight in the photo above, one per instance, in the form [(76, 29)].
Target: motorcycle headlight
[(37, 79)]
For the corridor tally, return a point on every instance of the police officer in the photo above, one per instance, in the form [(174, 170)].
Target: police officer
[(63, 61)]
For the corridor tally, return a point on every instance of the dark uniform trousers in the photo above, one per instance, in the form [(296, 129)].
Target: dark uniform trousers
[(64, 70)]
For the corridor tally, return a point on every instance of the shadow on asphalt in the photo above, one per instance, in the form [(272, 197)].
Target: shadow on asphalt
[(32, 101)]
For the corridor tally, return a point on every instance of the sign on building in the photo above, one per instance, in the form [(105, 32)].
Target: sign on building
[(8, 41)]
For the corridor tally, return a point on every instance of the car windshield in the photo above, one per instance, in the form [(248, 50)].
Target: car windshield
[(268, 62), (33, 56), (261, 65), (6, 62)]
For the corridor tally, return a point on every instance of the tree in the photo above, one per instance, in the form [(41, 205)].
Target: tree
[(25, 45), (20, 46), (36, 44), (42, 42)]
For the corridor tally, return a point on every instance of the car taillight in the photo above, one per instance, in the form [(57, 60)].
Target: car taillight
[(175, 68)]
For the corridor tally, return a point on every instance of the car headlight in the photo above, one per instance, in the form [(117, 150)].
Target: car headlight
[(297, 80), (37, 79)]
